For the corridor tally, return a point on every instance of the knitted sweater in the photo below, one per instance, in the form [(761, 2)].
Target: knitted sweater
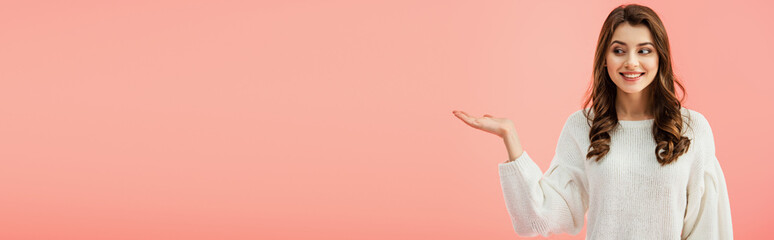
[(627, 194)]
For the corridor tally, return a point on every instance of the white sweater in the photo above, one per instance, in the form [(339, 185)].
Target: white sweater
[(628, 194)]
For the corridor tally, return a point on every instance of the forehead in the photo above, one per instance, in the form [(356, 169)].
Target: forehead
[(632, 34)]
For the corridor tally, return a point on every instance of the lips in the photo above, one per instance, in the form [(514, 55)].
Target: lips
[(632, 74)]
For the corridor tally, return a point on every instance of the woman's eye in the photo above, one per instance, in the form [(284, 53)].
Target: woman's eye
[(617, 50), (646, 51)]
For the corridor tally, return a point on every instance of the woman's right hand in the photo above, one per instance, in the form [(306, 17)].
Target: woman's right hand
[(501, 127), (497, 126)]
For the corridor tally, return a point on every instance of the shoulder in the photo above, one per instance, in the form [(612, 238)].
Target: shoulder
[(578, 123), (579, 119), (697, 124), (700, 132)]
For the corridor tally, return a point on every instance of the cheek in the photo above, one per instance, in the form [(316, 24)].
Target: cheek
[(651, 64), (611, 70), (613, 64)]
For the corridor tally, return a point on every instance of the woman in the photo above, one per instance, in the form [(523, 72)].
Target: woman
[(641, 165)]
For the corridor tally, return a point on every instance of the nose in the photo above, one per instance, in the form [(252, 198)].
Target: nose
[(632, 62)]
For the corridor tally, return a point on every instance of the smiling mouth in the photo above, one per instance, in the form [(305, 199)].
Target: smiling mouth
[(632, 76)]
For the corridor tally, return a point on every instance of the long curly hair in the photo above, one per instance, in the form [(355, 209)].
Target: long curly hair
[(668, 122)]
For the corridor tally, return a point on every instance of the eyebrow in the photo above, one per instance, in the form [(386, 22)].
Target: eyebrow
[(641, 44)]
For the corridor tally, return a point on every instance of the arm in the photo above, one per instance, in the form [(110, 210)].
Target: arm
[(708, 212), (553, 202), (708, 215), (512, 144)]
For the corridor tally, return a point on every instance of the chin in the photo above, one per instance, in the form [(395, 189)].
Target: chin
[(627, 88), (632, 90)]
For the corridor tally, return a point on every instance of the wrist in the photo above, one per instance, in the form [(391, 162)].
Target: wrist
[(505, 132), (513, 145)]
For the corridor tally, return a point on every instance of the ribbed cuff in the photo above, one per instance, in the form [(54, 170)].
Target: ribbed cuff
[(522, 162)]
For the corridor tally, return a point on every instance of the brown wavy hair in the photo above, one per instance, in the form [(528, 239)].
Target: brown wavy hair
[(665, 107)]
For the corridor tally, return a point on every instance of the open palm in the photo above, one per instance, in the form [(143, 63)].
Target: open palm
[(487, 123)]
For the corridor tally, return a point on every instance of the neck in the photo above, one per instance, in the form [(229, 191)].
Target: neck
[(632, 106)]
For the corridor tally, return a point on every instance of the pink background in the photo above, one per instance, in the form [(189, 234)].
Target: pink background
[(330, 119)]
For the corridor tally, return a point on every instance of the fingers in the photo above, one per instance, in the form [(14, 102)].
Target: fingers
[(465, 117), (468, 119), (468, 115)]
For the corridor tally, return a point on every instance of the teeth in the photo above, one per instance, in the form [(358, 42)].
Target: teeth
[(632, 75)]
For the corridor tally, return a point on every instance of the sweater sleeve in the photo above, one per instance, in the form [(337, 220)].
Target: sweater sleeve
[(550, 203), (708, 212)]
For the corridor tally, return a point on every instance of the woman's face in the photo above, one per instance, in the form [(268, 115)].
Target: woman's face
[(631, 58)]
